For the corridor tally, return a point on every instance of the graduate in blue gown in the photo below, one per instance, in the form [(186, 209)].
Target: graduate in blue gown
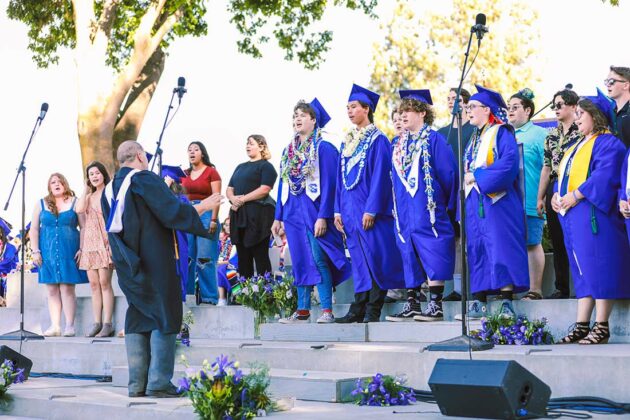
[(424, 176), (142, 214), (9, 257), (363, 210), (624, 192), (495, 215), (305, 210), (585, 199)]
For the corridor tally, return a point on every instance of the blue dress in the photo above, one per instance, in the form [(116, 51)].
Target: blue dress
[(59, 242)]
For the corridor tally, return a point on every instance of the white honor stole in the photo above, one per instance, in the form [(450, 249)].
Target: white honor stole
[(312, 190), (411, 182), (488, 141), (117, 204)]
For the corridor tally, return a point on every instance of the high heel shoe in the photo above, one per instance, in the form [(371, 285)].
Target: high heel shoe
[(107, 331), (600, 334), (576, 333), (53, 331), (96, 328)]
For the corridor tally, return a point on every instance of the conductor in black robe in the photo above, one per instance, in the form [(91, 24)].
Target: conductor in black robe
[(142, 214)]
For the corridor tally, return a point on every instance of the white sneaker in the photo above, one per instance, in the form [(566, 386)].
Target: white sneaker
[(222, 302), (326, 318), (295, 318), (69, 331), (53, 331)]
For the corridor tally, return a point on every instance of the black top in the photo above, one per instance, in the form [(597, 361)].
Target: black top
[(622, 124), (250, 175), (467, 132), (251, 224), (144, 252)]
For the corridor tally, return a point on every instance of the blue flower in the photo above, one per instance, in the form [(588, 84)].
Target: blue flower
[(184, 385)]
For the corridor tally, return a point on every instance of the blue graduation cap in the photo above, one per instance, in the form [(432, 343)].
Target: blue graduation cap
[(321, 115), (175, 172), (4, 225), (364, 95), (604, 104), (422, 95), (490, 98)]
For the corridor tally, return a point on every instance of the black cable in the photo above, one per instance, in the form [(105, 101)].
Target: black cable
[(58, 375)]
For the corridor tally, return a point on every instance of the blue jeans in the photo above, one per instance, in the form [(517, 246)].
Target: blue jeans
[(202, 262), (151, 359), (325, 286)]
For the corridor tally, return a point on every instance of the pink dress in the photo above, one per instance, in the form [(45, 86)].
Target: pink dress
[(95, 252)]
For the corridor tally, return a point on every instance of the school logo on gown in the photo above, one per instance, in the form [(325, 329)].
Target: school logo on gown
[(313, 188), (412, 182)]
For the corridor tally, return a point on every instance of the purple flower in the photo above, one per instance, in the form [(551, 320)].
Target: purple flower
[(184, 385)]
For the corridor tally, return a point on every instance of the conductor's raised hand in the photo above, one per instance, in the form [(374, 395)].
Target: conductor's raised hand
[(211, 202)]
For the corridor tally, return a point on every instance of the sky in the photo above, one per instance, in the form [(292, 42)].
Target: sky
[(231, 96)]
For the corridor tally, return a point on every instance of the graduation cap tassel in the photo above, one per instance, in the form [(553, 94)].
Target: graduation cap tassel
[(594, 226), (482, 213)]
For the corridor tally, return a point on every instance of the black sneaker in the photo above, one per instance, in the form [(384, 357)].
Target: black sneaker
[(433, 312), (411, 309), (349, 318), (452, 297), (558, 294)]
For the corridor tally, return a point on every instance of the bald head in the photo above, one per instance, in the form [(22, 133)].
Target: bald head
[(130, 153)]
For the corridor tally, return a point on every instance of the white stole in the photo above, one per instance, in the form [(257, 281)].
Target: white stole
[(482, 157), (117, 204)]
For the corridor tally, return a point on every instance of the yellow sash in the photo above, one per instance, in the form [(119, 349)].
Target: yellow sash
[(578, 172)]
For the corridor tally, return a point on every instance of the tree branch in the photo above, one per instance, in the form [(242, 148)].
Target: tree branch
[(83, 18), (106, 20)]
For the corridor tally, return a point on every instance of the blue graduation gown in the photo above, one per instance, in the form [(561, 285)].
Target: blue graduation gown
[(9, 260), (299, 215), (144, 252), (622, 191), (496, 250), (599, 260), (373, 253), (423, 254)]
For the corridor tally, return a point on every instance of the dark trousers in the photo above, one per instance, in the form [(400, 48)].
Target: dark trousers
[(247, 255), (369, 304), (560, 258)]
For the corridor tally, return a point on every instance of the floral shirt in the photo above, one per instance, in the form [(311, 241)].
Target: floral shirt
[(556, 144)]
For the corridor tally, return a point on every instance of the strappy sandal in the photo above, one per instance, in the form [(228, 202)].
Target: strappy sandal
[(600, 334), (532, 296), (576, 333)]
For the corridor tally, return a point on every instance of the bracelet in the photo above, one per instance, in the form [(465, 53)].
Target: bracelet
[(575, 196), (213, 221)]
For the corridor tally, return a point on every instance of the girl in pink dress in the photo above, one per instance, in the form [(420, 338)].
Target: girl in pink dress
[(95, 253)]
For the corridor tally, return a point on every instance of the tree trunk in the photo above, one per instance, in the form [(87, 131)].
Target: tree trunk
[(95, 137), (135, 107)]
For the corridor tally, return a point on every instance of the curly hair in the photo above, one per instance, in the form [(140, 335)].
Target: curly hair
[(600, 122), (50, 198), (414, 105)]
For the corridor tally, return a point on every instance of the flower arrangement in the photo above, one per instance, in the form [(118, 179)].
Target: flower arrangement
[(519, 331), (220, 391), (10, 375), (383, 390), (268, 296)]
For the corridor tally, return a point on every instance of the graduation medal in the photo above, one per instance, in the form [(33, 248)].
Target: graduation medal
[(354, 151)]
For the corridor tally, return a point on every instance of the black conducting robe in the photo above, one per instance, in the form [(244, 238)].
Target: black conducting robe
[(144, 252)]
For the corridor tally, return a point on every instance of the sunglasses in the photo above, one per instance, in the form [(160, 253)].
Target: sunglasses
[(610, 82), (557, 105), (514, 108)]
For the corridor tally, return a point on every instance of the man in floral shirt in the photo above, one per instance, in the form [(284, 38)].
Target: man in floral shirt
[(558, 141)]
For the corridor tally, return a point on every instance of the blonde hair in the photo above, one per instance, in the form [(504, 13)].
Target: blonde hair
[(260, 139), (50, 198)]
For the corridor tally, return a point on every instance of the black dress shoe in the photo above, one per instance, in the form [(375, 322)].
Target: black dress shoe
[(558, 294), (137, 394), (452, 297), (170, 392), (349, 318), (370, 319)]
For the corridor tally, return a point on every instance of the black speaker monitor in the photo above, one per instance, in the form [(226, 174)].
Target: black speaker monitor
[(493, 389), (19, 361)]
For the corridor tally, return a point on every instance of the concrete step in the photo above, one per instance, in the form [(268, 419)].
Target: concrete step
[(603, 369), (314, 332), (309, 385)]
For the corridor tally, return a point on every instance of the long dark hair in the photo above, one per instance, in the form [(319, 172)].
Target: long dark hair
[(101, 168), (205, 158)]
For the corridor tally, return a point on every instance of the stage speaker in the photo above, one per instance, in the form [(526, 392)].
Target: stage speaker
[(492, 389), (18, 360)]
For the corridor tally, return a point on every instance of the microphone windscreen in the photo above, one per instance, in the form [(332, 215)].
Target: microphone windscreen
[(568, 86), (480, 19), (181, 81), (44, 107)]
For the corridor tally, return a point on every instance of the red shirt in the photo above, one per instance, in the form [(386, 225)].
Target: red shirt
[(201, 187)]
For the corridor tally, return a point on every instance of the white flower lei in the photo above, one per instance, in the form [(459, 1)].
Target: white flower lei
[(353, 140)]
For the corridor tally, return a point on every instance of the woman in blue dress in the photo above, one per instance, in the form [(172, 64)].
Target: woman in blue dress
[(55, 247), (594, 234)]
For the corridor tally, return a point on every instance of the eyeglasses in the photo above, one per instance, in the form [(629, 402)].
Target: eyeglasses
[(578, 114), (514, 107), (610, 82), (473, 106), (557, 105)]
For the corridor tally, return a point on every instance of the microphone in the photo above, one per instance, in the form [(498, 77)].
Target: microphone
[(568, 86), (180, 89), (480, 27), (42, 112)]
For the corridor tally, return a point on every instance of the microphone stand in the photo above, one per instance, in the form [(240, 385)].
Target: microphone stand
[(462, 342), (157, 156), (22, 334)]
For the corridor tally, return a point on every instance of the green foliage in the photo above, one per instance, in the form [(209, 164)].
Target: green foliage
[(267, 296), (290, 20)]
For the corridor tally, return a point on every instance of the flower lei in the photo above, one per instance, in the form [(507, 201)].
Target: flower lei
[(473, 147), (405, 152), (298, 161), (354, 151)]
